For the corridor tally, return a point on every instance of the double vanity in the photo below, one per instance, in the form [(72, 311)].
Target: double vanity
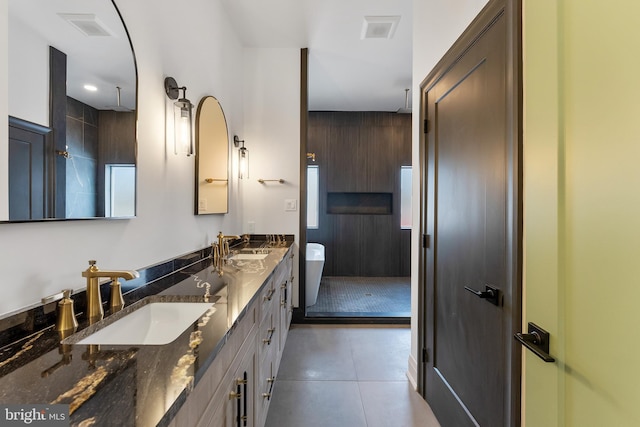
[(198, 346), (193, 341)]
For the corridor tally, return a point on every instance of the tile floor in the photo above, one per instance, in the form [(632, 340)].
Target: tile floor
[(347, 376), (363, 296)]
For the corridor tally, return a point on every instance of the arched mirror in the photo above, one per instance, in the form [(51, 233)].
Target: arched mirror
[(212, 158), (72, 81)]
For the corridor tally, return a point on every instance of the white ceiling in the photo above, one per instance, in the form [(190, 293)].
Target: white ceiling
[(105, 62), (346, 73)]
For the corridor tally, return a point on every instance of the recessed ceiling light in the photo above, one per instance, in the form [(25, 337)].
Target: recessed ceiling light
[(90, 88), (379, 27)]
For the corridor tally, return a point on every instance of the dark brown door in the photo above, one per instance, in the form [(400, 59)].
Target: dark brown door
[(28, 181), (472, 221)]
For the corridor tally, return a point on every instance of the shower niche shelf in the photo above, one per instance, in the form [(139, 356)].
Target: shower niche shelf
[(360, 203)]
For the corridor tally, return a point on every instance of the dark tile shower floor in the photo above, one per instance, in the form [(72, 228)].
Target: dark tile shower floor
[(363, 297)]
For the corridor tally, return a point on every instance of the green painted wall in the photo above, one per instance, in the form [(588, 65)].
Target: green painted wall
[(582, 210)]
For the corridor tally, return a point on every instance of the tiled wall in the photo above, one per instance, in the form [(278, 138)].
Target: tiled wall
[(82, 145), (360, 156)]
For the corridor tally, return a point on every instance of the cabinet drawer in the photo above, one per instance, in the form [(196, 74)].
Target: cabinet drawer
[(264, 391), (267, 334), (285, 312), (268, 298), (237, 336)]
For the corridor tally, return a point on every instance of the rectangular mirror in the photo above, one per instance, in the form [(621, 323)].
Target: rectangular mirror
[(71, 151)]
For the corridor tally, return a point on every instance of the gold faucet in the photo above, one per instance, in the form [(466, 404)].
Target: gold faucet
[(223, 243), (220, 249), (94, 301)]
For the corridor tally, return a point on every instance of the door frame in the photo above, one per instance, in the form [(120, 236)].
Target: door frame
[(299, 313), (512, 10)]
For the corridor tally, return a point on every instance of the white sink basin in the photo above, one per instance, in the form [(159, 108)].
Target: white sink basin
[(156, 323), (248, 257)]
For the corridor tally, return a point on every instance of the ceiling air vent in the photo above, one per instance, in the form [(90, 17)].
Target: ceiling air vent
[(379, 27), (87, 24)]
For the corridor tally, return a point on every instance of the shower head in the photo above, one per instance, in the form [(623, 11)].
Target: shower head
[(118, 106), (407, 108)]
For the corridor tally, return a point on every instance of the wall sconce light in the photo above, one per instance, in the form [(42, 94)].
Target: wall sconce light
[(243, 158), (182, 120)]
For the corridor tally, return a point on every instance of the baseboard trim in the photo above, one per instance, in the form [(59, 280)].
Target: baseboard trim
[(412, 372)]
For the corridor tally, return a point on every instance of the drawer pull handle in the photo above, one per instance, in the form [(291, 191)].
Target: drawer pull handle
[(270, 294), (285, 298), (267, 395), (267, 341), (244, 381)]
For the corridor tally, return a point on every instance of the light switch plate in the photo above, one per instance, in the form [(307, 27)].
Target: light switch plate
[(202, 204), (290, 205)]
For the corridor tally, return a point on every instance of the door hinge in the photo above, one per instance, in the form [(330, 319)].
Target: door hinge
[(426, 126), (425, 241), (425, 355)]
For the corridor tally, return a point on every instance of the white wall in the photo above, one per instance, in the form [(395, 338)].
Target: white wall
[(436, 26), (259, 91), (4, 111), (197, 46), (29, 74), (272, 135)]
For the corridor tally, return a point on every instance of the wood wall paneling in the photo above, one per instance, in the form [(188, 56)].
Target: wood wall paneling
[(116, 142), (361, 152), (82, 144)]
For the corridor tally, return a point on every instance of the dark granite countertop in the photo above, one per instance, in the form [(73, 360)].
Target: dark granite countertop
[(136, 385)]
